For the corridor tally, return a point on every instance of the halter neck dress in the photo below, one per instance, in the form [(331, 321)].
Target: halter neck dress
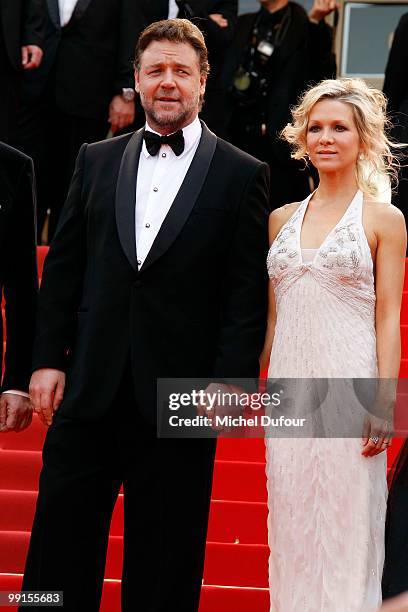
[(326, 501)]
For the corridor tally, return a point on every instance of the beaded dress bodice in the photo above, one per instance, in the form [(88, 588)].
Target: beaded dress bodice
[(336, 287)]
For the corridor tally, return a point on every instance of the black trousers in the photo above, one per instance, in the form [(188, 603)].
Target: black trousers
[(10, 81), (52, 138), (167, 487)]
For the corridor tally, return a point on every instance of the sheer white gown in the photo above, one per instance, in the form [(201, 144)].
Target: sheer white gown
[(326, 501)]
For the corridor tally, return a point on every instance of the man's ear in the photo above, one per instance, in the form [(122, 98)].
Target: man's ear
[(203, 83), (137, 81)]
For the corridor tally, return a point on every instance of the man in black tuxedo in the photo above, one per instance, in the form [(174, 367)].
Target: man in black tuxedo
[(84, 86), (217, 20), (18, 280), (172, 286), (21, 37)]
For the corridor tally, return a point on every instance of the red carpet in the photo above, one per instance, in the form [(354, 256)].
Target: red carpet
[(235, 576)]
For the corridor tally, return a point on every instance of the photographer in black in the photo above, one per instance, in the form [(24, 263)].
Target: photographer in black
[(276, 53)]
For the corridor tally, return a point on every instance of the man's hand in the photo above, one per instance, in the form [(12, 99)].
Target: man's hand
[(121, 113), (322, 8), (16, 412), (228, 406), (219, 20), (46, 392), (31, 56), (396, 604)]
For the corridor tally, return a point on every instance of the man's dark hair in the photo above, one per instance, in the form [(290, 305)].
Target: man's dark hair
[(174, 30)]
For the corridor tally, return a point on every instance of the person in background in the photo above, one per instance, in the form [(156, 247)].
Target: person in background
[(84, 87), (395, 575), (18, 281), (217, 20), (22, 24), (396, 90), (276, 53)]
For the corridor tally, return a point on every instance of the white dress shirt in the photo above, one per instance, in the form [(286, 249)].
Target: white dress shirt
[(159, 179), (66, 8), (16, 392), (173, 9)]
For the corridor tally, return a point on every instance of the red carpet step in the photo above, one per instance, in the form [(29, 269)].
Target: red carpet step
[(29, 439), (404, 308), (226, 564), (238, 522), (19, 470), (230, 521), (233, 480), (213, 598), (236, 564)]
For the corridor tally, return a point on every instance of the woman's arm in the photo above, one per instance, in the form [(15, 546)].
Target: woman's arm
[(276, 220), (270, 329), (389, 280)]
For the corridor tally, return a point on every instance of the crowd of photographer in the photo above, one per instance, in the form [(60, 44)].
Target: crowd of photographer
[(84, 85), (66, 68)]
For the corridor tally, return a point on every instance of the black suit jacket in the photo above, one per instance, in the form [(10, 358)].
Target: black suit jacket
[(304, 57), (91, 58), (21, 23), (197, 307), (217, 40), (396, 80), (18, 267)]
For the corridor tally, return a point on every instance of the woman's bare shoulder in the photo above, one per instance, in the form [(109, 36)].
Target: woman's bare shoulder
[(279, 217), (384, 214)]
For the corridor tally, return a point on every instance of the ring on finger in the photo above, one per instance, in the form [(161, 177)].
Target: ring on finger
[(374, 439)]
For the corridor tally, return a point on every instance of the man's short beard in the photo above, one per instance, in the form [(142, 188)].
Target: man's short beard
[(173, 121)]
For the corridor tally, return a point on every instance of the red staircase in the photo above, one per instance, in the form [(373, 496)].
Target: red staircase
[(235, 575)]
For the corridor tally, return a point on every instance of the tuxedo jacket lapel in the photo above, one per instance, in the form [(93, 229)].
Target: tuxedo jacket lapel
[(53, 11), (185, 199), (126, 197), (180, 209), (79, 10)]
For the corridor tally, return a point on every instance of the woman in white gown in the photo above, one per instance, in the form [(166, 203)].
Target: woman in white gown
[(336, 267)]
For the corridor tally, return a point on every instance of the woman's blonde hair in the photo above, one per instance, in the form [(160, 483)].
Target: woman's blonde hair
[(379, 165)]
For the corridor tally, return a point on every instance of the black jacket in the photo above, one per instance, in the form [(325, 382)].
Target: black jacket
[(18, 267), (396, 80), (305, 56), (91, 58), (196, 308), (22, 23)]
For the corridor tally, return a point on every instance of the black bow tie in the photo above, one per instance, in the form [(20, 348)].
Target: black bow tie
[(154, 142)]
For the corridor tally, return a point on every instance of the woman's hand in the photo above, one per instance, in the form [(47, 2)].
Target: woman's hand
[(377, 436)]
